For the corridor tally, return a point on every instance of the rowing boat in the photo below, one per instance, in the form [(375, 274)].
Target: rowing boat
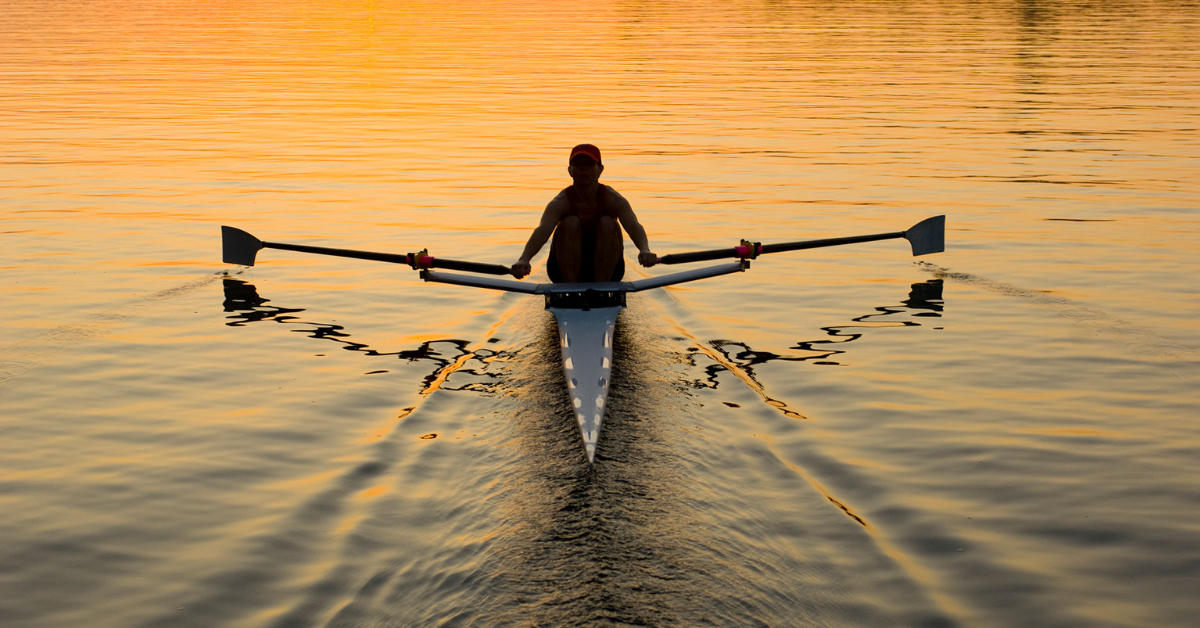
[(586, 313)]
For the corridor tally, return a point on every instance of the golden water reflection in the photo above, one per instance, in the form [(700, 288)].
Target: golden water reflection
[(1024, 451)]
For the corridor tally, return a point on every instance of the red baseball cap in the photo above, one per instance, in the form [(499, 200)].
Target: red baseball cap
[(586, 149)]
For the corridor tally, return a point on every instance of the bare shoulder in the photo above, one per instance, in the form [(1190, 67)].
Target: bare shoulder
[(559, 200), (559, 204), (620, 202)]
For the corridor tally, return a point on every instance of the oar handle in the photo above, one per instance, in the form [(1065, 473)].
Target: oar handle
[(425, 262), (742, 252)]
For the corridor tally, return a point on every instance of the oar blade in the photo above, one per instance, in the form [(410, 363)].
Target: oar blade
[(238, 247), (927, 236)]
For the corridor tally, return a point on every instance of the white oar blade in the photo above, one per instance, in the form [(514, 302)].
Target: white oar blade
[(238, 247), (927, 236)]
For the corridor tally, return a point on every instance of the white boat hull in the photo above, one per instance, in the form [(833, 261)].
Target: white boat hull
[(586, 340)]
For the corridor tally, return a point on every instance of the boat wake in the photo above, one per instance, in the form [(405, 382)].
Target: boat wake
[(18, 359), (1179, 360)]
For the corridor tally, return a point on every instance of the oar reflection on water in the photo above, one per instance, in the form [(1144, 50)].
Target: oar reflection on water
[(242, 299)]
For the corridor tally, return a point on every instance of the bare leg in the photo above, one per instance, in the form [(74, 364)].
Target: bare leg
[(568, 247), (608, 247)]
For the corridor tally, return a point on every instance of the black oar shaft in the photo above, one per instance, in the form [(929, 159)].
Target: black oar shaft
[(816, 244), (320, 250), (744, 251), (407, 259)]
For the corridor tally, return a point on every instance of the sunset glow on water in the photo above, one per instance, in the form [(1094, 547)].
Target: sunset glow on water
[(1003, 434)]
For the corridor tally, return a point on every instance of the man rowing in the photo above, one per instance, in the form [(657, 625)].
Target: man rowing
[(586, 220)]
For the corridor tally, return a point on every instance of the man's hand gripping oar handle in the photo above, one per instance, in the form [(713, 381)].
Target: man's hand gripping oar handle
[(927, 236), (239, 247)]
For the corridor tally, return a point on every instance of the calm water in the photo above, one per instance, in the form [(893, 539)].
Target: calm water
[(1001, 435)]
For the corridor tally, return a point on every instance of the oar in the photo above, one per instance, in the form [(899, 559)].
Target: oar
[(239, 247), (927, 236)]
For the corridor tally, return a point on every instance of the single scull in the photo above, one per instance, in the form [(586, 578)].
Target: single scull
[(586, 313)]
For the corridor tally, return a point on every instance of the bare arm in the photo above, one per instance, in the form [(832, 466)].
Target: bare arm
[(636, 232), (539, 237)]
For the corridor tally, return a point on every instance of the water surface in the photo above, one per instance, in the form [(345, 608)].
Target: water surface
[(1000, 435)]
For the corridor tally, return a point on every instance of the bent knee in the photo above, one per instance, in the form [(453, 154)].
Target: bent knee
[(607, 225), (568, 232), (571, 224)]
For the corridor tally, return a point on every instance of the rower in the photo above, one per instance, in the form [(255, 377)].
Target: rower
[(586, 220)]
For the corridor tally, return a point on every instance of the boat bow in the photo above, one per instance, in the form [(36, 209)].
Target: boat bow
[(586, 339)]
